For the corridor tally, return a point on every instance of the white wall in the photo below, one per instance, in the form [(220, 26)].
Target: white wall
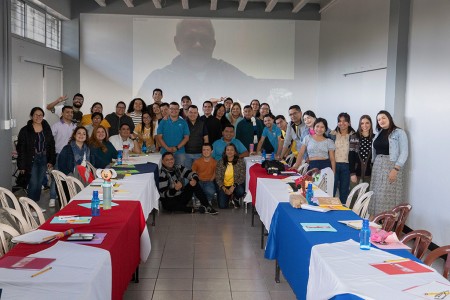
[(427, 114), (27, 82), (353, 38)]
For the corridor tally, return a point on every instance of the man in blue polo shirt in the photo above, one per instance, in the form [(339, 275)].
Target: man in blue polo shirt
[(227, 138), (173, 134)]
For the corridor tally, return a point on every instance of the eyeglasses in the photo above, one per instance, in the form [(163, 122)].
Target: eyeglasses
[(121, 107)]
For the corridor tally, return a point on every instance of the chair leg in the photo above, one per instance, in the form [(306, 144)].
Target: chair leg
[(253, 215), (262, 235), (277, 272), (154, 217), (135, 277)]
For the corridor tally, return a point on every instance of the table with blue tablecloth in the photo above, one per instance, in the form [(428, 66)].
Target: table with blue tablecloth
[(291, 246)]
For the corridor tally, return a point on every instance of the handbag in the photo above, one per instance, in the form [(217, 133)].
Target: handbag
[(273, 166)]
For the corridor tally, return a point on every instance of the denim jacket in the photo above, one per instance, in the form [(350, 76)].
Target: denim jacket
[(398, 147)]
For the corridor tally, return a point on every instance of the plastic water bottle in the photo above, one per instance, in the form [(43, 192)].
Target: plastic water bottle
[(144, 147), (119, 157), (309, 193), (95, 204), (364, 236), (107, 195), (263, 154), (272, 156)]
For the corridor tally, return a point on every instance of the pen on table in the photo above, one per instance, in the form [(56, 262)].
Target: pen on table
[(41, 272), (396, 260), (317, 226), (68, 217), (438, 293)]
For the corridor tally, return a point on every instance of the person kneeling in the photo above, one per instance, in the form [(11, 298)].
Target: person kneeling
[(177, 184)]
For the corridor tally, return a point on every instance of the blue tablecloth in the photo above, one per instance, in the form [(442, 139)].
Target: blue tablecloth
[(144, 168), (291, 245)]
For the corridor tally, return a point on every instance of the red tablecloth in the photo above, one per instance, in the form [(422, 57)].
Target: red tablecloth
[(255, 172), (122, 224)]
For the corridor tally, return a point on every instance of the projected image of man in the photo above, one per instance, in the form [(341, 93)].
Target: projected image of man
[(194, 71)]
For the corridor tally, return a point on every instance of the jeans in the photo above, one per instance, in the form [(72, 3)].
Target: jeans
[(53, 183), (189, 159), (37, 175), (319, 164), (223, 198), (342, 181), (209, 188), (178, 203), (179, 158)]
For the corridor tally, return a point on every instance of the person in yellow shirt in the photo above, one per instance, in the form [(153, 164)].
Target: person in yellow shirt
[(87, 119)]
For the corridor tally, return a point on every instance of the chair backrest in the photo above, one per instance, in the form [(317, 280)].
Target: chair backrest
[(6, 197), (20, 220), (303, 169), (402, 213), (386, 220), (361, 205), (59, 178), (91, 168), (326, 181), (360, 189), (74, 185), (422, 239), (29, 206), (290, 159), (6, 234), (435, 254)]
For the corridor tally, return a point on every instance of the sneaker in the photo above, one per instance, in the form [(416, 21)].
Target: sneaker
[(201, 209), (52, 203), (45, 187), (236, 203), (211, 211)]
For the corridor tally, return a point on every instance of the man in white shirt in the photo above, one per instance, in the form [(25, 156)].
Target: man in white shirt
[(124, 139)]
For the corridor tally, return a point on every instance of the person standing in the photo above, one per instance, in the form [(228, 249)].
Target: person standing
[(292, 140), (36, 152), (273, 135), (235, 114), (389, 155), (173, 134), (186, 102), (198, 136), (228, 137), (249, 129), (116, 119), (213, 124), (135, 109), (341, 136), (360, 156)]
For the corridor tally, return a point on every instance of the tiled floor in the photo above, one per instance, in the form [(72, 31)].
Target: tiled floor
[(197, 256)]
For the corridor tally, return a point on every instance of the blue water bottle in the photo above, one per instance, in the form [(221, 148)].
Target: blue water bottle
[(107, 195), (95, 204), (272, 156), (263, 154), (119, 157), (144, 147), (364, 236), (309, 193)]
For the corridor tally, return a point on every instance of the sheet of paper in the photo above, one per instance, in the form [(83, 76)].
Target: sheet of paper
[(318, 227), (34, 237), (73, 220), (357, 224), (403, 267), (432, 290)]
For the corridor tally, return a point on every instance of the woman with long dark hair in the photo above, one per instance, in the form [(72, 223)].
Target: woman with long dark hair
[(255, 104), (230, 177), (360, 155), (75, 152), (219, 113), (135, 109), (389, 155), (36, 151), (341, 136), (145, 132)]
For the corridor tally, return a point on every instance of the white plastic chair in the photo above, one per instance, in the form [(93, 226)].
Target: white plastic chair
[(20, 220), (4, 195), (74, 185), (91, 168), (303, 169), (59, 177), (290, 159), (360, 189), (29, 206), (326, 181), (4, 244), (362, 204)]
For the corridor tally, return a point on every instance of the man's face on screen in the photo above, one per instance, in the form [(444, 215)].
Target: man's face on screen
[(195, 41)]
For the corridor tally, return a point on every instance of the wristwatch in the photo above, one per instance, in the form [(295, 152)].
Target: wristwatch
[(177, 147)]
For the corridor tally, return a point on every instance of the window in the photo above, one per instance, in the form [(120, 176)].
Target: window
[(18, 17), (34, 24)]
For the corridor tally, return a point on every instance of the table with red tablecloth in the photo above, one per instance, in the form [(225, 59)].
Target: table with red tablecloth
[(122, 224), (257, 171)]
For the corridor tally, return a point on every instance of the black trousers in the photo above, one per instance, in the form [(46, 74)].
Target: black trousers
[(178, 203)]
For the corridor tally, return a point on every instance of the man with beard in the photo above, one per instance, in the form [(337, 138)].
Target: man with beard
[(77, 103)]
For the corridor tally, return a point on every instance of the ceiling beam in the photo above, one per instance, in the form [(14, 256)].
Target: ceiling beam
[(270, 5), (157, 3), (242, 5), (101, 2), (129, 3), (185, 4), (213, 5), (298, 5)]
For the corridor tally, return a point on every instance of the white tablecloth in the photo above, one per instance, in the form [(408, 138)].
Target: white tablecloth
[(79, 272), (140, 187), (270, 192), (332, 273)]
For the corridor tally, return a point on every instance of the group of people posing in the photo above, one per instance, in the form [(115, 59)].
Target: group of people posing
[(203, 155)]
